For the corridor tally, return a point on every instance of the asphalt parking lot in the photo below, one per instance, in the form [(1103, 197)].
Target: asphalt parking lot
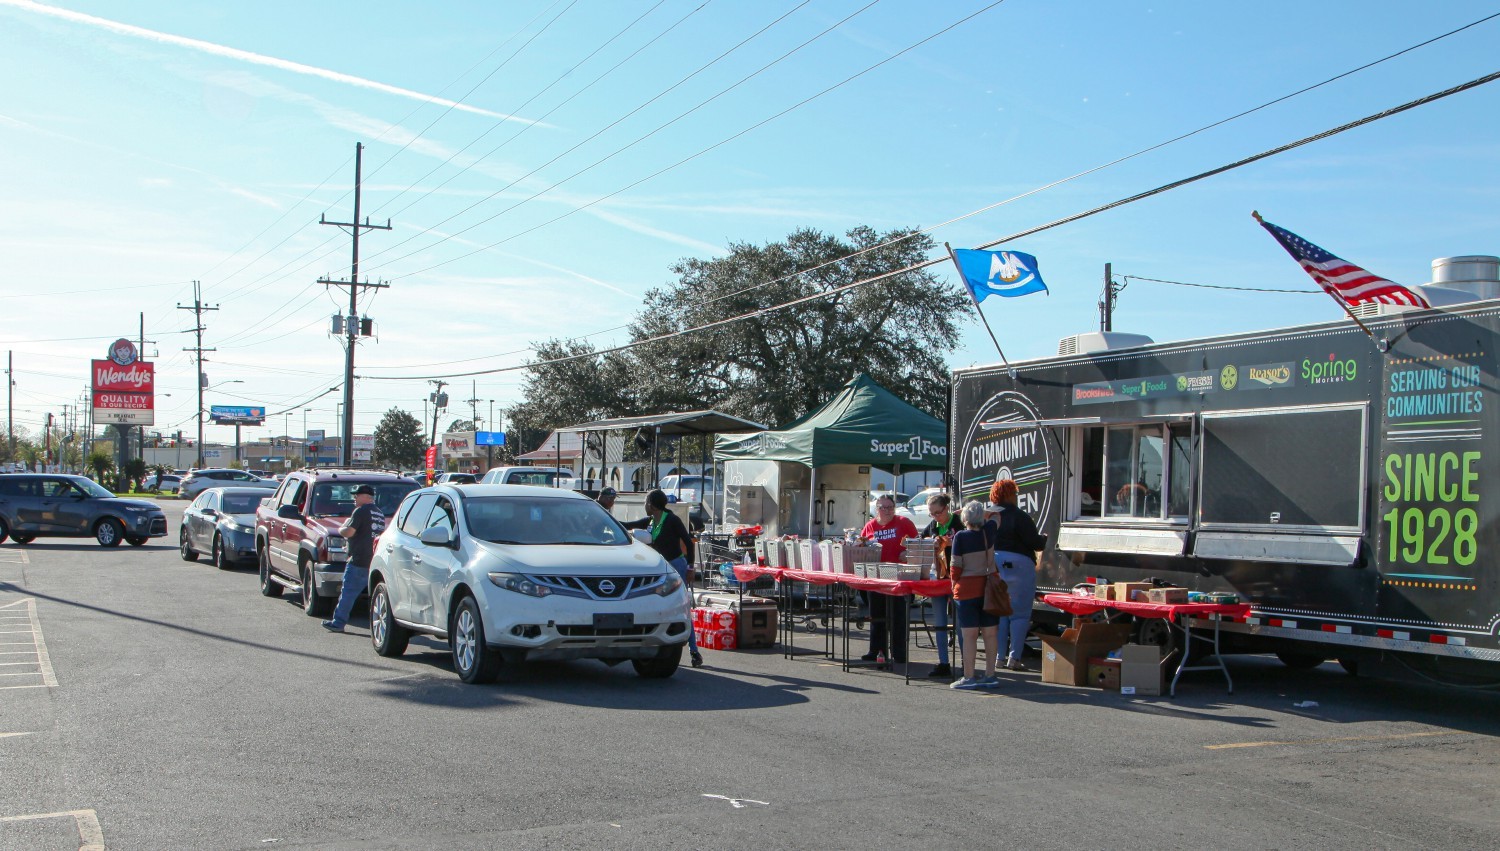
[(147, 702)]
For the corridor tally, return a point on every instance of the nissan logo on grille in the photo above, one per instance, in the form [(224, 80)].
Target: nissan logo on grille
[(606, 587)]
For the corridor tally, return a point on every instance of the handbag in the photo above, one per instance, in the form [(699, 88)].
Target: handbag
[(996, 596), (940, 559)]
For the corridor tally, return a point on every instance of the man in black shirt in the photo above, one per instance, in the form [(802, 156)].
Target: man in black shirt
[(361, 529), (670, 538)]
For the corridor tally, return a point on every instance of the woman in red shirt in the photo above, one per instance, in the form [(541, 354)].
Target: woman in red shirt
[(890, 532)]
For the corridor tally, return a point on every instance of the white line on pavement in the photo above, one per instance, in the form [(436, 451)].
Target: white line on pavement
[(90, 835)]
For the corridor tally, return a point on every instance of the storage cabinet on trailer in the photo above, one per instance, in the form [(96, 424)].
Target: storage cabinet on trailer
[(1348, 493)]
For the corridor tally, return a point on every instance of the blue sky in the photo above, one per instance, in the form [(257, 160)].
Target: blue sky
[(149, 144)]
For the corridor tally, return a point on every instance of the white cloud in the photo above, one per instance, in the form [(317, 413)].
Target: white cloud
[(248, 56)]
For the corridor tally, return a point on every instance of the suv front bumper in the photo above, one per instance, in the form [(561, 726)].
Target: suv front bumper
[(557, 627)]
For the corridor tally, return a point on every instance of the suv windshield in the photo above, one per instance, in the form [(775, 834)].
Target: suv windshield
[(336, 499), (542, 520), (92, 488)]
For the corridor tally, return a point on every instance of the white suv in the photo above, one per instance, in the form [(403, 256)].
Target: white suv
[(508, 573)]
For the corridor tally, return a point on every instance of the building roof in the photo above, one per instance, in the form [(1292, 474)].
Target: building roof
[(684, 422)]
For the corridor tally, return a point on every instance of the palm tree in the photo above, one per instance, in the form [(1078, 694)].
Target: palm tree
[(100, 463)]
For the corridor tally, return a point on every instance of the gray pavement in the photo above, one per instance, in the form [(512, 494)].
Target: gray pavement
[(190, 712)]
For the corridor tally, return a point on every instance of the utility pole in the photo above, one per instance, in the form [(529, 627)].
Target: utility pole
[(199, 308), (439, 402), (1107, 303), (141, 342), (10, 402), (353, 327)]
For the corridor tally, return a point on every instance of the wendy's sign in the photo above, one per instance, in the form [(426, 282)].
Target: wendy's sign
[(138, 377), (124, 387)]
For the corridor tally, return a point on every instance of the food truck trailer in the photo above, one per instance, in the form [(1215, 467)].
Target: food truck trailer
[(1340, 482)]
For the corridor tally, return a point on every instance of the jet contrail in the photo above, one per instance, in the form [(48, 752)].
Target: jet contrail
[(246, 56)]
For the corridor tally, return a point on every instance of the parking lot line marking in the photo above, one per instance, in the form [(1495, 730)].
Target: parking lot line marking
[(12, 735), (17, 663), (90, 835), (27, 609), (1335, 739)]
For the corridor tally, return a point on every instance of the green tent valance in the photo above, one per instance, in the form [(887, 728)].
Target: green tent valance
[(864, 424)]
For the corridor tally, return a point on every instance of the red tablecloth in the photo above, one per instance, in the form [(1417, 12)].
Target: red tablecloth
[(1075, 605), (899, 588)]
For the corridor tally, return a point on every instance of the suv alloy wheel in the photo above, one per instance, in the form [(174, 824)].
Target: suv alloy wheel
[(475, 661), (108, 532), (389, 637), (314, 604), (268, 586)]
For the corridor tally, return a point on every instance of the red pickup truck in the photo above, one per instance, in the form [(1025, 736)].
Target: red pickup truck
[(296, 531)]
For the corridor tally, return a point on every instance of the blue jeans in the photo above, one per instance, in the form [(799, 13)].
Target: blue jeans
[(940, 627), (356, 580), (680, 564), (1020, 578)]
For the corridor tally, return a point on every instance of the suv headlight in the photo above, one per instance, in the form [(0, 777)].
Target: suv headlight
[(671, 585), (520, 584)]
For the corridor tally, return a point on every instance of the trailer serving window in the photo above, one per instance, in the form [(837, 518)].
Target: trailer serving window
[(1131, 471), (1290, 468)]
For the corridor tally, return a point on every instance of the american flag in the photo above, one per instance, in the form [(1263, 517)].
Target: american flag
[(1339, 278)]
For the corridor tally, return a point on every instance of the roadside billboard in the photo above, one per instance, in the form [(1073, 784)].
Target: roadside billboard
[(362, 447), (237, 415)]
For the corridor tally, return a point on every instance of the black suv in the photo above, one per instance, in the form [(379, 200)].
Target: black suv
[(57, 506)]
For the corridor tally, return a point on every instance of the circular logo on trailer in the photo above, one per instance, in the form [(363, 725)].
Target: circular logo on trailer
[(1003, 443), (1228, 377), (1181, 383), (123, 352)]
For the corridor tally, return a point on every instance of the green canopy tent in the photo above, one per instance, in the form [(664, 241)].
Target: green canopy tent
[(864, 425)]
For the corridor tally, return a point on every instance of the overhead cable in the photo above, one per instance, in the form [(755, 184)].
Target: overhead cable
[(1140, 196)]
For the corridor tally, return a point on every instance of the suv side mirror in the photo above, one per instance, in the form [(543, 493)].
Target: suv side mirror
[(289, 512), (436, 536)]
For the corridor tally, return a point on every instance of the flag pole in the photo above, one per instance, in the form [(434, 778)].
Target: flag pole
[(970, 290), (1380, 342)]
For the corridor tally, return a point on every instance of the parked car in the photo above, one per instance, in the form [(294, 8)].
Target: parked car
[(455, 479), (260, 474), (199, 480), (916, 507), (221, 522), (900, 499), (508, 573), (59, 506), (297, 544), (166, 483), (696, 491), (549, 476)]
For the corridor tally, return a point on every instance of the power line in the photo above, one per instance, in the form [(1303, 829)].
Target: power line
[(1006, 201), (612, 124), (199, 308), (1140, 196), (1219, 286), (491, 152)]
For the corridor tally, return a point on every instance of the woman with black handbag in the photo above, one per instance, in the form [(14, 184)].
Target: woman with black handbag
[(1016, 542), (971, 566)]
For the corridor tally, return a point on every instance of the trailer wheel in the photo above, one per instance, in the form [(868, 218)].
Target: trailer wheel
[(1350, 666), (1156, 631), (1300, 661)]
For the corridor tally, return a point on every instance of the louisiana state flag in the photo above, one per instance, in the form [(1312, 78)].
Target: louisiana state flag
[(1002, 273)]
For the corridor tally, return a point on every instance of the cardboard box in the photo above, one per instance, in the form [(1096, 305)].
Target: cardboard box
[(1104, 673), (1065, 658), (1167, 595), (1126, 591), (1144, 670), (1104, 592)]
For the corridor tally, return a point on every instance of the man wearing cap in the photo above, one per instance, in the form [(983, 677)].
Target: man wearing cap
[(362, 528), (607, 500)]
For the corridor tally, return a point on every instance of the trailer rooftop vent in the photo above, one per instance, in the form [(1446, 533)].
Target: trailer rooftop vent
[(1455, 280), (1100, 341)]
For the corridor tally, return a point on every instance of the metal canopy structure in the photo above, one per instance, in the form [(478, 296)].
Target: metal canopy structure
[(686, 422)]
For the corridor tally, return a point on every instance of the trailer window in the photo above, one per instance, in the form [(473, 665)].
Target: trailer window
[(1132, 471), (1287, 468)]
